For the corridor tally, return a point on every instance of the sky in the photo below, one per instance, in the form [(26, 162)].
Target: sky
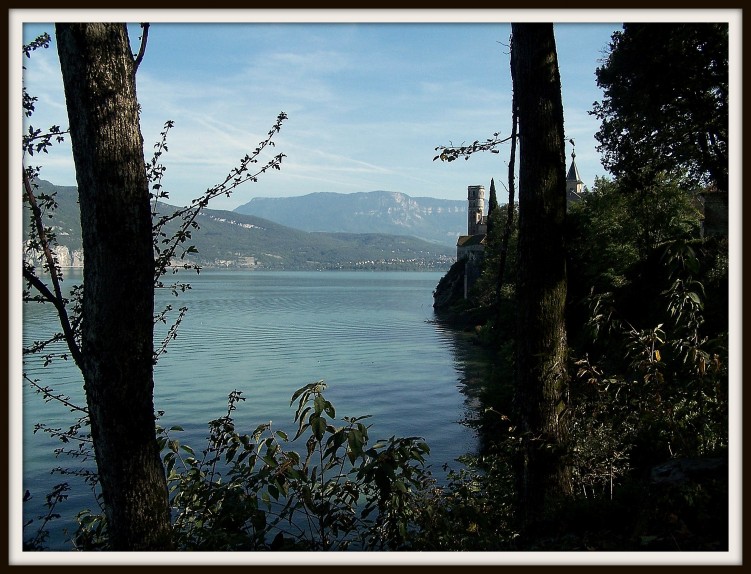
[(367, 102)]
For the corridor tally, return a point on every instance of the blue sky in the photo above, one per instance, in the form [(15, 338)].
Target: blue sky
[(367, 102)]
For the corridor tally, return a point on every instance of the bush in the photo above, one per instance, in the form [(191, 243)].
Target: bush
[(254, 492)]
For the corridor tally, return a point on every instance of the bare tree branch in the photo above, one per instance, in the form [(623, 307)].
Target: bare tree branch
[(57, 298), (142, 49)]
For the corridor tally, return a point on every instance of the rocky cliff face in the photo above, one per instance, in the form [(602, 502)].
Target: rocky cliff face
[(432, 219), (450, 289), (66, 257)]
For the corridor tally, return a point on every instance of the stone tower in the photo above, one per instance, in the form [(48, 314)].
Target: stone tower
[(475, 208)]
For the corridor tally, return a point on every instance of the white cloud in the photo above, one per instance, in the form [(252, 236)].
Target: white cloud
[(367, 105)]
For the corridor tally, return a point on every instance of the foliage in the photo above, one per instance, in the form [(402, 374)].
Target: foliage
[(474, 511), (262, 491), (614, 227), (485, 289), (53, 498), (667, 396), (670, 115), (650, 375)]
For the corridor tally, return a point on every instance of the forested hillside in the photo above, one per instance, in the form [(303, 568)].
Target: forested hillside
[(233, 240)]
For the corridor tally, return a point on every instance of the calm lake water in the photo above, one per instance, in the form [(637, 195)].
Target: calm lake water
[(371, 336)]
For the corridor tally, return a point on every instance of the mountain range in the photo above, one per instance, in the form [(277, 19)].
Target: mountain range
[(395, 213), (235, 240)]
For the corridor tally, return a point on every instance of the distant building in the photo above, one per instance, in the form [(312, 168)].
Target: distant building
[(472, 246), (574, 183), (477, 223)]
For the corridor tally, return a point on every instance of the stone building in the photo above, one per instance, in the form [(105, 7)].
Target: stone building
[(472, 245), (477, 224), (574, 183)]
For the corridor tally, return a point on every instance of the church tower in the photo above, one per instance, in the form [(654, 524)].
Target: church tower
[(574, 184), (475, 209)]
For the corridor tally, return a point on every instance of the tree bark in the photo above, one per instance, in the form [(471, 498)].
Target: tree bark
[(118, 302), (542, 380), (509, 208)]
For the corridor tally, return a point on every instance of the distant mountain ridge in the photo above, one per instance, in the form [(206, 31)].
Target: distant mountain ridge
[(233, 240), (391, 212)]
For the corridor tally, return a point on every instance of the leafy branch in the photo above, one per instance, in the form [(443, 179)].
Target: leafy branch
[(166, 246), (451, 152)]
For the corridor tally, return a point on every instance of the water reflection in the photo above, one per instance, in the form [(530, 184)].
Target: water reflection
[(483, 379)]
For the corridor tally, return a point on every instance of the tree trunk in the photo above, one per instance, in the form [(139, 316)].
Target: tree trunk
[(509, 208), (118, 302), (541, 389)]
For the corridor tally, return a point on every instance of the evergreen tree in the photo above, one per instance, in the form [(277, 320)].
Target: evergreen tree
[(492, 207)]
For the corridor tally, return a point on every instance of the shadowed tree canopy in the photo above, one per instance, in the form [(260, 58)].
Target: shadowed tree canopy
[(671, 114)]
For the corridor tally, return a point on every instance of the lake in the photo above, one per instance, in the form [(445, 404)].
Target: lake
[(371, 336)]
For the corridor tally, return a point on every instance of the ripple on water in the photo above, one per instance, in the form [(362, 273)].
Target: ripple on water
[(367, 335)]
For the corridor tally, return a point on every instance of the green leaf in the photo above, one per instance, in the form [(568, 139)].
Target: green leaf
[(318, 426), (297, 393), (231, 453), (270, 461), (693, 264), (319, 403), (170, 463), (294, 457), (300, 416), (294, 473), (274, 491), (355, 443)]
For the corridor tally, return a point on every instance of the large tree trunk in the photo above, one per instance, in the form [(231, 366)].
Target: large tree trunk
[(542, 380), (118, 302)]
